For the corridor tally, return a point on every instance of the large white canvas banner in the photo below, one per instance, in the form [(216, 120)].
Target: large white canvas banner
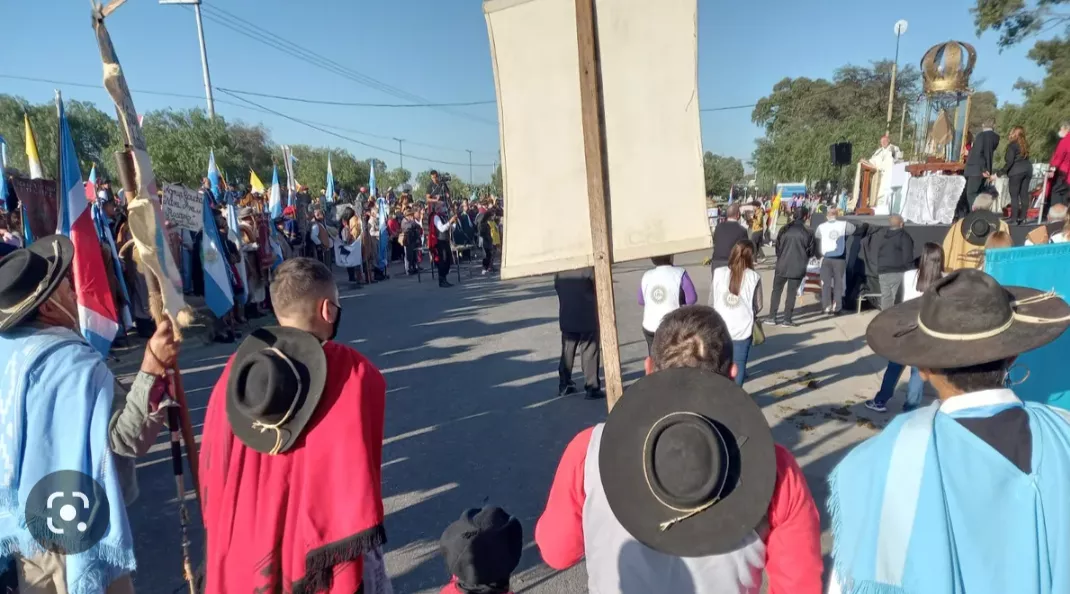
[(653, 139)]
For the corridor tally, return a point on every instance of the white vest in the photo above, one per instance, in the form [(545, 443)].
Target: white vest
[(833, 238), (661, 294), (615, 558), (737, 311)]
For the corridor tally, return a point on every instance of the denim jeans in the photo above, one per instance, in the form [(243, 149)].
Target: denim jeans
[(740, 354), (915, 386), (187, 271)]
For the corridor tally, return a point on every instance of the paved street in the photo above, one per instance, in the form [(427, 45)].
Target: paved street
[(473, 416)]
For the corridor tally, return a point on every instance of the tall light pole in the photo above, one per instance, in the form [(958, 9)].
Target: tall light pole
[(470, 178), (401, 153), (900, 28), (204, 52)]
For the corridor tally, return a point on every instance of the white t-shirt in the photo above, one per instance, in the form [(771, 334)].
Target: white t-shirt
[(736, 310), (910, 284), (661, 294), (832, 236), (1057, 238)]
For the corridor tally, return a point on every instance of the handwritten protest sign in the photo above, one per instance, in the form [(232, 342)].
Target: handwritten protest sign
[(182, 207), (39, 197)]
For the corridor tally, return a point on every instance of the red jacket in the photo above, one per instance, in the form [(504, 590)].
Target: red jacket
[(793, 563), (1061, 159)]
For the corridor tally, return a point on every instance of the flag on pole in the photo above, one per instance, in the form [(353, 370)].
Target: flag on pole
[(31, 151), (104, 233), (275, 198), (213, 177), (371, 180), (91, 186), (329, 197), (96, 307), (234, 234), (384, 235), (255, 185), (3, 153), (3, 174), (291, 183), (218, 292), (27, 233)]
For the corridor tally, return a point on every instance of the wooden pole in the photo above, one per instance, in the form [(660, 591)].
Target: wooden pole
[(597, 192)]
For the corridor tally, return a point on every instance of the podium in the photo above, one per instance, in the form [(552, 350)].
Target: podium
[(867, 178)]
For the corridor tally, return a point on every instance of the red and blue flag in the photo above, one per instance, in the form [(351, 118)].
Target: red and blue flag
[(96, 307)]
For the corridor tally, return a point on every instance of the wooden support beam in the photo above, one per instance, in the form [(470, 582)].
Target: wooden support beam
[(593, 119)]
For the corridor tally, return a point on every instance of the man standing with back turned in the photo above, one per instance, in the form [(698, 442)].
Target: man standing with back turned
[(578, 317), (725, 237), (979, 162)]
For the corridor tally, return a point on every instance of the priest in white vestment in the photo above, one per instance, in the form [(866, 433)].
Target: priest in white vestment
[(883, 160)]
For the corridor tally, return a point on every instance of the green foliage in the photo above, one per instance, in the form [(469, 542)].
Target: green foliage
[(1016, 20), (802, 117), (721, 173), (96, 136), (496, 181)]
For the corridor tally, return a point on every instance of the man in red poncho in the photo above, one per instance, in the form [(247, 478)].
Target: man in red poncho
[(292, 451)]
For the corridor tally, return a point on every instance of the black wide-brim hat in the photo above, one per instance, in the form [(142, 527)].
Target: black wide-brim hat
[(978, 225), (967, 318), (29, 276), (637, 471), (259, 356), (483, 547)]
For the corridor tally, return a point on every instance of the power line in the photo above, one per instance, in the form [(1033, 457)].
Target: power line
[(343, 137), (243, 105), (355, 104), (223, 17)]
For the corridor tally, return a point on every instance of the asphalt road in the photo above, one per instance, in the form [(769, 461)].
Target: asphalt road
[(473, 415)]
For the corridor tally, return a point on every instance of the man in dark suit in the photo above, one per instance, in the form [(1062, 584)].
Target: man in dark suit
[(979, 163), (578, 316)]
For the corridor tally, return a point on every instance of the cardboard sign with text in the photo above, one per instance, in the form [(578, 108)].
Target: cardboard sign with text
[(39, 196), (183, 207)]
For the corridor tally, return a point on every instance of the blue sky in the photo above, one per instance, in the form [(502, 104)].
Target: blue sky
[(437, 49)]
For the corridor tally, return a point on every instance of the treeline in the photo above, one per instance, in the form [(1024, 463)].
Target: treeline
[(179, 142)]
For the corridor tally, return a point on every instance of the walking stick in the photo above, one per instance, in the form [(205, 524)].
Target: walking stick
[(173, 422), (186, 426)]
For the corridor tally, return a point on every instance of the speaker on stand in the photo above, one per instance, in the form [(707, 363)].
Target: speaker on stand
[(840, 153)]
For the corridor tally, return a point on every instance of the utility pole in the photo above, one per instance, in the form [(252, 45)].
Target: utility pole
[(401, 153), (204, 52), (900, 28), (470, 178)]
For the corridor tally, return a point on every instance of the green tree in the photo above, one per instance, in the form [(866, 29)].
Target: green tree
[(721, 173), (496, 181), (802, 117), (1016, 20)]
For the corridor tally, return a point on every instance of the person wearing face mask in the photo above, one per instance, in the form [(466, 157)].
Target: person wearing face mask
[(292, 450), (64, 410)]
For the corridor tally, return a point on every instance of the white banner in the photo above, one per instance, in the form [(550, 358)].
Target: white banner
[(656, 190), (183, 207)]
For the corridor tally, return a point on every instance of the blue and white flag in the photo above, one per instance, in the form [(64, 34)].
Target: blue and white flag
[(218, 292), (384, 235), (275, 197), (329, 198), (213, 177), (27, 233), (3, 175), (288, 160), (104, 232), (234, 235), (371, 181)]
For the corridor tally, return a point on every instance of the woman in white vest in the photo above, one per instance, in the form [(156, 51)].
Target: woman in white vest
[(662, 291), (736, 294)]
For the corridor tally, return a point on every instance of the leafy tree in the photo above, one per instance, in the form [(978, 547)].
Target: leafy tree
[(721, 173), (802, 117), (95, 135), (1016, 20), (496, 181)]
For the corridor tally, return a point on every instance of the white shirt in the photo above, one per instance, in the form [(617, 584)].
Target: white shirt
[(442, 225), (737, 310), (661, 294), (832, 236), (1059, 237)]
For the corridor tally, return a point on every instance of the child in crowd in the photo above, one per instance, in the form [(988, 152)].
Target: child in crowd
[(661, 292), (482, 549)]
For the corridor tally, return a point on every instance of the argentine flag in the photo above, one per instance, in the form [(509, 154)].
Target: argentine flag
[(218, 293)]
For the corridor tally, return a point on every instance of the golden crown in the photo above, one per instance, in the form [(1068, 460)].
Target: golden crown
[(947, 67)]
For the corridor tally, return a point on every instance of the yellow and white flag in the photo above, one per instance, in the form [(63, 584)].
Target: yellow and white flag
[(31, 151), (255, 185)]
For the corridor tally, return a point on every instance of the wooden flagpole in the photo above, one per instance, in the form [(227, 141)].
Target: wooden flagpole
[(593, 119)]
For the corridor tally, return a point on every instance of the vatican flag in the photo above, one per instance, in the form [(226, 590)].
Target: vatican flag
[(255, 185), (31, 151)]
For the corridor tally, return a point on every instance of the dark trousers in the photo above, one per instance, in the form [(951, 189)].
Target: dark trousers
[(488, 254), (649, 336), (410, 257), (833, 279), (789, 301), (1060, 188), (590, 359), (974, 185), (442, 249), (1018, 185)]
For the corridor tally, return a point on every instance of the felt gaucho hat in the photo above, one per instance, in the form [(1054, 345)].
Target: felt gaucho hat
[(687, 463), (978, 225), (967, 318), (483, 547), (275, 383), (29, 276)]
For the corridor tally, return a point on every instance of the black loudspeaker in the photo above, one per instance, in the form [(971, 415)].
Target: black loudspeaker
[(840, 153)]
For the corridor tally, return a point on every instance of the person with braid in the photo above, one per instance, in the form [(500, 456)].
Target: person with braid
[(579, 522)]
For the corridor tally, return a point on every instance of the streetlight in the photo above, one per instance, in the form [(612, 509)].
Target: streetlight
[(401, 152), (470, 177), (900, 28), (204, 53)]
